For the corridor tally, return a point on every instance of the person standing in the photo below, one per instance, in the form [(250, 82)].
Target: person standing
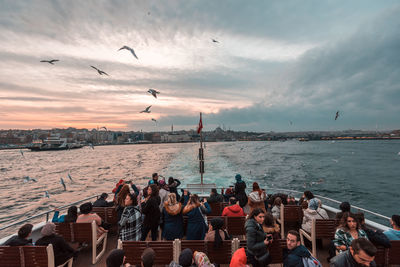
[(172, 218), (257, 240), (151, 211), (240, 193), (131, 220)]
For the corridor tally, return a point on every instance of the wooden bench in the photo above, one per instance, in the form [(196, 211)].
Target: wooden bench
[(83, 233), (107, 214), (275, 249), (235, 226), (290, 214), (320, 229), (221, 255), (134, 249), (394, 253), (29, 256), (216, 209), (381, 255)]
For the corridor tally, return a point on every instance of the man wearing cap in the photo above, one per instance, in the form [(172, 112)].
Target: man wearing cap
[(394, 234), (62, 251)]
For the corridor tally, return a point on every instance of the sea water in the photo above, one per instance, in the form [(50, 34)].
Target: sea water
[(365, 173)]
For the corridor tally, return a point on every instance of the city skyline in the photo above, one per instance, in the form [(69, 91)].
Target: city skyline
[(271, 69)]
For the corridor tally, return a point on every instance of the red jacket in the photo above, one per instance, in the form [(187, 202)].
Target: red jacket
[(233, 211), (239, 258)]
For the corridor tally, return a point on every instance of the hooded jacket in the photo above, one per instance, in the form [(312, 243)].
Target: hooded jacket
[(294, 257), (256, 200), (233, 211), (255, 238), (346, 260), (310, 214)]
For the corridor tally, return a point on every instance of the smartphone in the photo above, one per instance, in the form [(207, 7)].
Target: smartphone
[(269, 237)]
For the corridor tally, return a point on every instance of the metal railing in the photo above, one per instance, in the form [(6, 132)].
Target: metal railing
[(45, 213)]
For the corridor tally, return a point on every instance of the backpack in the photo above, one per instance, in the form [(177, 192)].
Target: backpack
[(311, 262)]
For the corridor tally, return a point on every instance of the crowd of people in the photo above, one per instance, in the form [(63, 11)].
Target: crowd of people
[(161, 205)]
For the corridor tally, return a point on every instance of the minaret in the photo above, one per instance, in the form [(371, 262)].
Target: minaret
[(172, 127)]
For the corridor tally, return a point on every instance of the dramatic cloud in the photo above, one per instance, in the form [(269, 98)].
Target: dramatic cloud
[(275, 62)]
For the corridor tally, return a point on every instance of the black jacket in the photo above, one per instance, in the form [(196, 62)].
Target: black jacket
[(101, 202), (18, 241), (294, 257), (255, 238), (377, 238), (240, 193), (345, 259), (62, 251), (151, 210)]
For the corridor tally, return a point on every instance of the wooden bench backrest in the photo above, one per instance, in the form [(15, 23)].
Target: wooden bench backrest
[(33, 256), (209, 218), (394, 253), (194, 245), (380, 256), (75, 232), (275, 249), (134, 249), (36, 256), (235, 225), (221, 255), (107, 214), (293, 213), (10, 256), (325, 228), (216, 209)]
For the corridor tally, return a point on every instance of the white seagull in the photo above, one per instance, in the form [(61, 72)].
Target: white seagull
[(154, 92), (129, 49), (46, 194), (69, 176), (214, 41), (154, 120), (63, 184), (27, 179), (99, 71), (146, 110), (50, 61)]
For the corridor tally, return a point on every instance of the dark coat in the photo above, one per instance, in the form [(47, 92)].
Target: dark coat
[(196, 226), (151, 211), (101, 202), (377, 238), (62, 251), (18, 241), (240, 193), (345, 259), (173, 225), (255, 238), (294, 257)]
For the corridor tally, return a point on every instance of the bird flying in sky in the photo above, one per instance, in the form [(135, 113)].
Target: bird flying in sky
[(27, 179), (154, 92), (63, 184), (46, 194), (129, 49), (146, 110), (50, 61), (22, 153), (337, 115), (214, 41), (154, 120), (69, 176), (99, 71)]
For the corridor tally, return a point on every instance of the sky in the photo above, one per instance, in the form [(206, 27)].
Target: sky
[(276, 65)]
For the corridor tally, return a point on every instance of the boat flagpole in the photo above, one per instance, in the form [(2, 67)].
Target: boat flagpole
[(201, 151)]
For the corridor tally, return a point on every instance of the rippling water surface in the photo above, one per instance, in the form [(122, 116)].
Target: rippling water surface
[(366, 173)]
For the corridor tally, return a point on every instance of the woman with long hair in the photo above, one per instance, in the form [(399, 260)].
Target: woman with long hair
[(131, 220), (257, 240), (216, 233), (257, 198), (151, 211), (172, 218), (271, 227), (120, 200), (71, 216), (348, 230), (196, 211)]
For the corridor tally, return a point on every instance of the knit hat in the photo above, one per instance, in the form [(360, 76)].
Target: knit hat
[(313, 204), (148, 256), (238, 178), (185, 258), (115, 258), (48, 229)]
